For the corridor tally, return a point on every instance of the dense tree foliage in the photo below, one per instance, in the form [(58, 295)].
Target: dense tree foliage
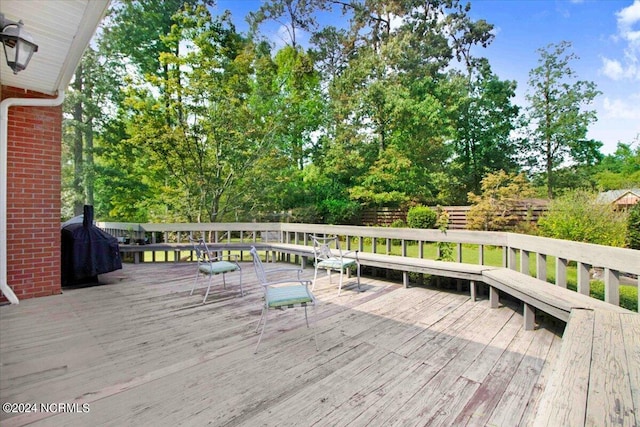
[(175, 116)]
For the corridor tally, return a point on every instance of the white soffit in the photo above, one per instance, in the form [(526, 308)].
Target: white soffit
[(62, 30)]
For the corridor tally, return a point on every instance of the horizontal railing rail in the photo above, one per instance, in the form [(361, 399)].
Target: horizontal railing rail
[(613, 263)]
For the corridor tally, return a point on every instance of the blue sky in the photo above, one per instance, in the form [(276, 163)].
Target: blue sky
[(605, 35)]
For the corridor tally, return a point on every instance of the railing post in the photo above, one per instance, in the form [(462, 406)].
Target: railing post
[(561, 272), (612, 286), (481, 254), (583, 278), (511, 258), (541, 267), (524, 262)]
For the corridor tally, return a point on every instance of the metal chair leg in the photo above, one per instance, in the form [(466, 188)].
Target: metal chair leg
[(266, 314), (315, 325), (208, 289), (260, 320)]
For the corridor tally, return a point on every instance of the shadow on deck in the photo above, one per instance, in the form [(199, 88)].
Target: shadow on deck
[(138, 350)]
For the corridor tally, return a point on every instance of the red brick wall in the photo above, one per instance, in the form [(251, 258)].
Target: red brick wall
[(33, 197)]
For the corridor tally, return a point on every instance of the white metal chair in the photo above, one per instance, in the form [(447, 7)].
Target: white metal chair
[(282, 293), (329, 256), (209, 265)]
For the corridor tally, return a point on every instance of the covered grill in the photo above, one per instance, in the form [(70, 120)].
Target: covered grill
[(87, 251)]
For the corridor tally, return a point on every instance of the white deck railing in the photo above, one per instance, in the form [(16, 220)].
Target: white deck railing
[(613, 262)]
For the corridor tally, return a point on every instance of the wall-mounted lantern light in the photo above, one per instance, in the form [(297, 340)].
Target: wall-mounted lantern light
[(18, 44)]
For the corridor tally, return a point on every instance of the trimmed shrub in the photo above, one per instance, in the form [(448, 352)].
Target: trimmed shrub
[(421, 217)]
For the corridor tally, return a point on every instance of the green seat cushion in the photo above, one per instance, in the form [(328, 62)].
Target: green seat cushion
[(218, 267), (288, 295), (336, 264)]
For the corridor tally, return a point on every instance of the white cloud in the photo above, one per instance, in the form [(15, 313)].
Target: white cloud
[(623, 109), (612, 69), (629, 16), (628, 31), (629, 28)]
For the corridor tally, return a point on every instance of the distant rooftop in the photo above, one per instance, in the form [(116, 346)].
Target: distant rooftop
[(629, 196)]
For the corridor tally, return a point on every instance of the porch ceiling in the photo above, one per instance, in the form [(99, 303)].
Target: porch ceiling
[(62, 30)]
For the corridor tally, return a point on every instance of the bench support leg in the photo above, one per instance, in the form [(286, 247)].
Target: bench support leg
[(472, 290), (494, 299), (405, 279), (529, 317)]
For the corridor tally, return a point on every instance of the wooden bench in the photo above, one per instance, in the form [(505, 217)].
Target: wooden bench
[(596, 379), (537, 293), (455, 270)]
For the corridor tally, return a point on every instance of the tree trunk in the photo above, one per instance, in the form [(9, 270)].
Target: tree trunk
[(78, 163)]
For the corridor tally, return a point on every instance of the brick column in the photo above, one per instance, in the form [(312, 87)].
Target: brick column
[(33, 197)]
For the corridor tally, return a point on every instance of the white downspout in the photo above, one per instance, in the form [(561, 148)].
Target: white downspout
[(4, 127)]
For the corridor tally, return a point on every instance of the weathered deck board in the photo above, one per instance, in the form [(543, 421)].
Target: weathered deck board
[(609, 401), (632, 342), (594, 380), (141, 351)]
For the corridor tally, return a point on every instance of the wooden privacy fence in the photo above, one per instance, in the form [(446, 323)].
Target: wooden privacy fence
[(384, 217)]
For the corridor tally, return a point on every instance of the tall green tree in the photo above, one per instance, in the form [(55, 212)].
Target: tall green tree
[(298, 104), (206, 136), (484, 120), (92, 94), (559, 113), (390, 92)]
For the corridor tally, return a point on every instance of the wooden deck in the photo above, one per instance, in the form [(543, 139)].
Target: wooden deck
[(139, 350)]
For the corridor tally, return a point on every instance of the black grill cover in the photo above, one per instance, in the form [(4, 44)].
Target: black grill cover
[(87, 251)]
